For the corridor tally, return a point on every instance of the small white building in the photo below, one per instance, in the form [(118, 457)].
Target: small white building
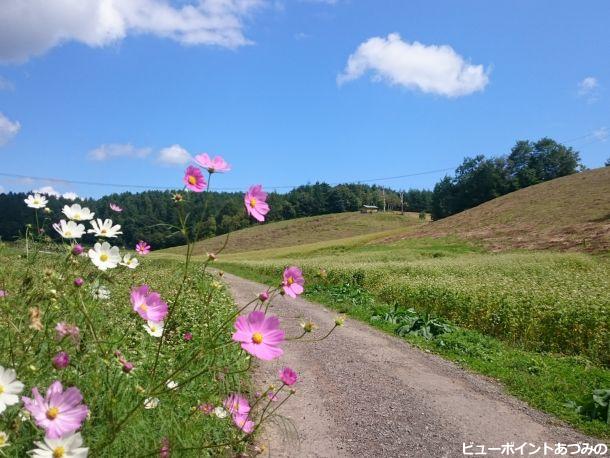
[(369, 209)]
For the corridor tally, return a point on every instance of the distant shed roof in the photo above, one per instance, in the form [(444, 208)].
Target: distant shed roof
[(370, 206)]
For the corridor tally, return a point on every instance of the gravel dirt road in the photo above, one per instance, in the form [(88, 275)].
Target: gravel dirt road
[(363, 393)]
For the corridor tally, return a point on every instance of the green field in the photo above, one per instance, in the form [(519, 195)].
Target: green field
[(304, 231), (537, 321)]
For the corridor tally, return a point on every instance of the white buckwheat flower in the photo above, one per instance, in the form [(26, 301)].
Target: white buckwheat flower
[(105, 257), (105, 228), (77, 213), (4, 439)]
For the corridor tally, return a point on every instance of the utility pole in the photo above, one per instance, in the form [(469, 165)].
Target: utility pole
[(383, 194)]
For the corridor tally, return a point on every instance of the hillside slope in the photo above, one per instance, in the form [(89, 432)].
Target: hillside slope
[(304, 231), (568, 213)]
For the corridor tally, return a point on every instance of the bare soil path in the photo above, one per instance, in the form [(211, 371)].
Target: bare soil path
[(363, 393)]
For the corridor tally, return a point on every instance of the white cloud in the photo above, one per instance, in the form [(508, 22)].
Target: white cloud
[(31, 27), (588, 88), (174, 155), (8, 129), (103, 152), (1, 189), (70, 195), (6, 85), (48, 190), (431, 69), (601, 134)]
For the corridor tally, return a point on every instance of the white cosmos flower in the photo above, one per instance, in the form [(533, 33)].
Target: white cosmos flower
[(70, 446), (69, 230), (10, 387), (171, 385), (154, 328), (130, 261), (104, 229), (105, 257), (220, 412), (4, 439), (151, 403), (77, 213), (36, 201)]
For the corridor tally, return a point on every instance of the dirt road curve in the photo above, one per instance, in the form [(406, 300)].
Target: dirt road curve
[(362, 393)]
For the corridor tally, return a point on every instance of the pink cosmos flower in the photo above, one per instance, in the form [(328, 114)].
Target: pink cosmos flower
[(61, 360), (293, 281), (288, 376), (165, 451), (188, 336), (193, 179), (148, 304), (242, 422), (3, 293), (217, 164), (259, 335), (115, 208), (255, 200), (59, 412), (142, 248), (67, 330), (237, 404)]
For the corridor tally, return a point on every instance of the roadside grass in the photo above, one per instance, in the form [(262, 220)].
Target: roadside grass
[(304, 231), (545, 381), (45, 281)]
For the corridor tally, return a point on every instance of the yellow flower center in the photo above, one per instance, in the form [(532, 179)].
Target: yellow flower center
[(36, 202), (103, 257), (68, 234), (77, 217), (192, 180), (153, 328), (1, 389), (59, 452), (252, 202), (2, 440), (144, 307), (257, 338), (52, 413), (103, 231), (290, 280)]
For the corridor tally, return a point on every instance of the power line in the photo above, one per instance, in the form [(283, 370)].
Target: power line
[(136, 186), (123, 185)]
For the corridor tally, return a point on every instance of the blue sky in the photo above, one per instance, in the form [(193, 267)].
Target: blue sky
[(97, 97)]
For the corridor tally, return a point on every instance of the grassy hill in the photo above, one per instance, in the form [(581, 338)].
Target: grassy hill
[(304, 231), (568, 213)]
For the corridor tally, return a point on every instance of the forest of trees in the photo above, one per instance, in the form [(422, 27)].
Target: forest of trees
[(480, 179), (148, 215)]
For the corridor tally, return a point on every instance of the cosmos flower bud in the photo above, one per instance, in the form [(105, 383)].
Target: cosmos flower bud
[(188, 336), (264, 296), (60, 360), (78, 281), (339, 321), (308, 326), (77, 249), (127, 366)]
